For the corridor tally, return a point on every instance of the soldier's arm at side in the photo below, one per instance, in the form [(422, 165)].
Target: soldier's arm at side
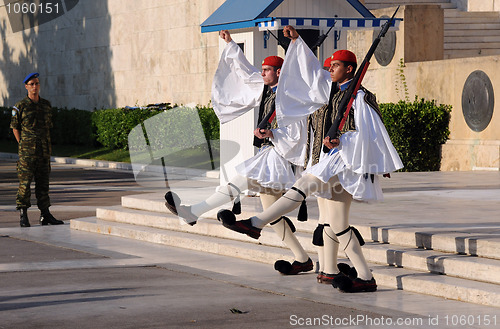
[(17, 134)]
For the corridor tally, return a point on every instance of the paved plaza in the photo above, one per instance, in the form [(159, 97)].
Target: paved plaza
[(58, 277)]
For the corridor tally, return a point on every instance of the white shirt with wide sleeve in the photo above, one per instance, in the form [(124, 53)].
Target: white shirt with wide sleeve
[(365, 151), (237, 86), (305, 87)]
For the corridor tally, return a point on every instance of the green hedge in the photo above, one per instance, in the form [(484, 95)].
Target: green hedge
[(210, 122), (71, 127), (417, 130), (107, 127), (5, 131), (113, 126)]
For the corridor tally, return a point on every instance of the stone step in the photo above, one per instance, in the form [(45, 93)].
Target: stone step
[(466, 14), (471, 45), (471, 20), (472, 26), (464, 266), (460, 24), (438, 285), (460, 266), (428, 238), (397, 278), (450, 54), (472, 39), (226, 247), (206, 227), (378, 4), (406, 2), (459, 241), (471, 33)]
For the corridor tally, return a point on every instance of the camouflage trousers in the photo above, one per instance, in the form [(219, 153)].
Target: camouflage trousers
[(28, 169)]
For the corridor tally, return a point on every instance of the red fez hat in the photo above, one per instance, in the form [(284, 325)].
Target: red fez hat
[(273, 61), (344, 56), (328, 62)]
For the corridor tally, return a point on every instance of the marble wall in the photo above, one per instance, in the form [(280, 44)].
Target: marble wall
[(112, 53)]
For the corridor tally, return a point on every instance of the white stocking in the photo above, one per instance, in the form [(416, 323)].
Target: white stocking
[(307, 184), (284, 231), (321, 221), (223, 194), (338, 209), (331, 250), (350, 243)]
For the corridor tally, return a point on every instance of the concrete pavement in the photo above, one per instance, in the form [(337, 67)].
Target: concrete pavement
[(56, 277)]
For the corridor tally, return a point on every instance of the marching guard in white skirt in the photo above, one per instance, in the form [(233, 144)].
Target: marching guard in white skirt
[(348, 171), (237, 88)]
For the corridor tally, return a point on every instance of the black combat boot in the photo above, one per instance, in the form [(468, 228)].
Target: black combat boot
[(46, 218), (24, 222)]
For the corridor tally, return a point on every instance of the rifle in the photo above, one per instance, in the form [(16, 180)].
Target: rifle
[(272, 114), (283, 45), (322, 38), (347, 100)]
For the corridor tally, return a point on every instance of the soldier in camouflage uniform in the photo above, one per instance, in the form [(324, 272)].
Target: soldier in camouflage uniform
[(31, 123)]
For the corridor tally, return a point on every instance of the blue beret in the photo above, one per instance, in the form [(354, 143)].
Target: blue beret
[(31, 76)]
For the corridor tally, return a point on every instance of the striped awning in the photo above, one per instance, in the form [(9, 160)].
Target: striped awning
[(242, 14), (275, 23)]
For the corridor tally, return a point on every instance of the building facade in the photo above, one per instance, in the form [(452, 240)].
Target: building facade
[(116, 53), (113, 53)]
